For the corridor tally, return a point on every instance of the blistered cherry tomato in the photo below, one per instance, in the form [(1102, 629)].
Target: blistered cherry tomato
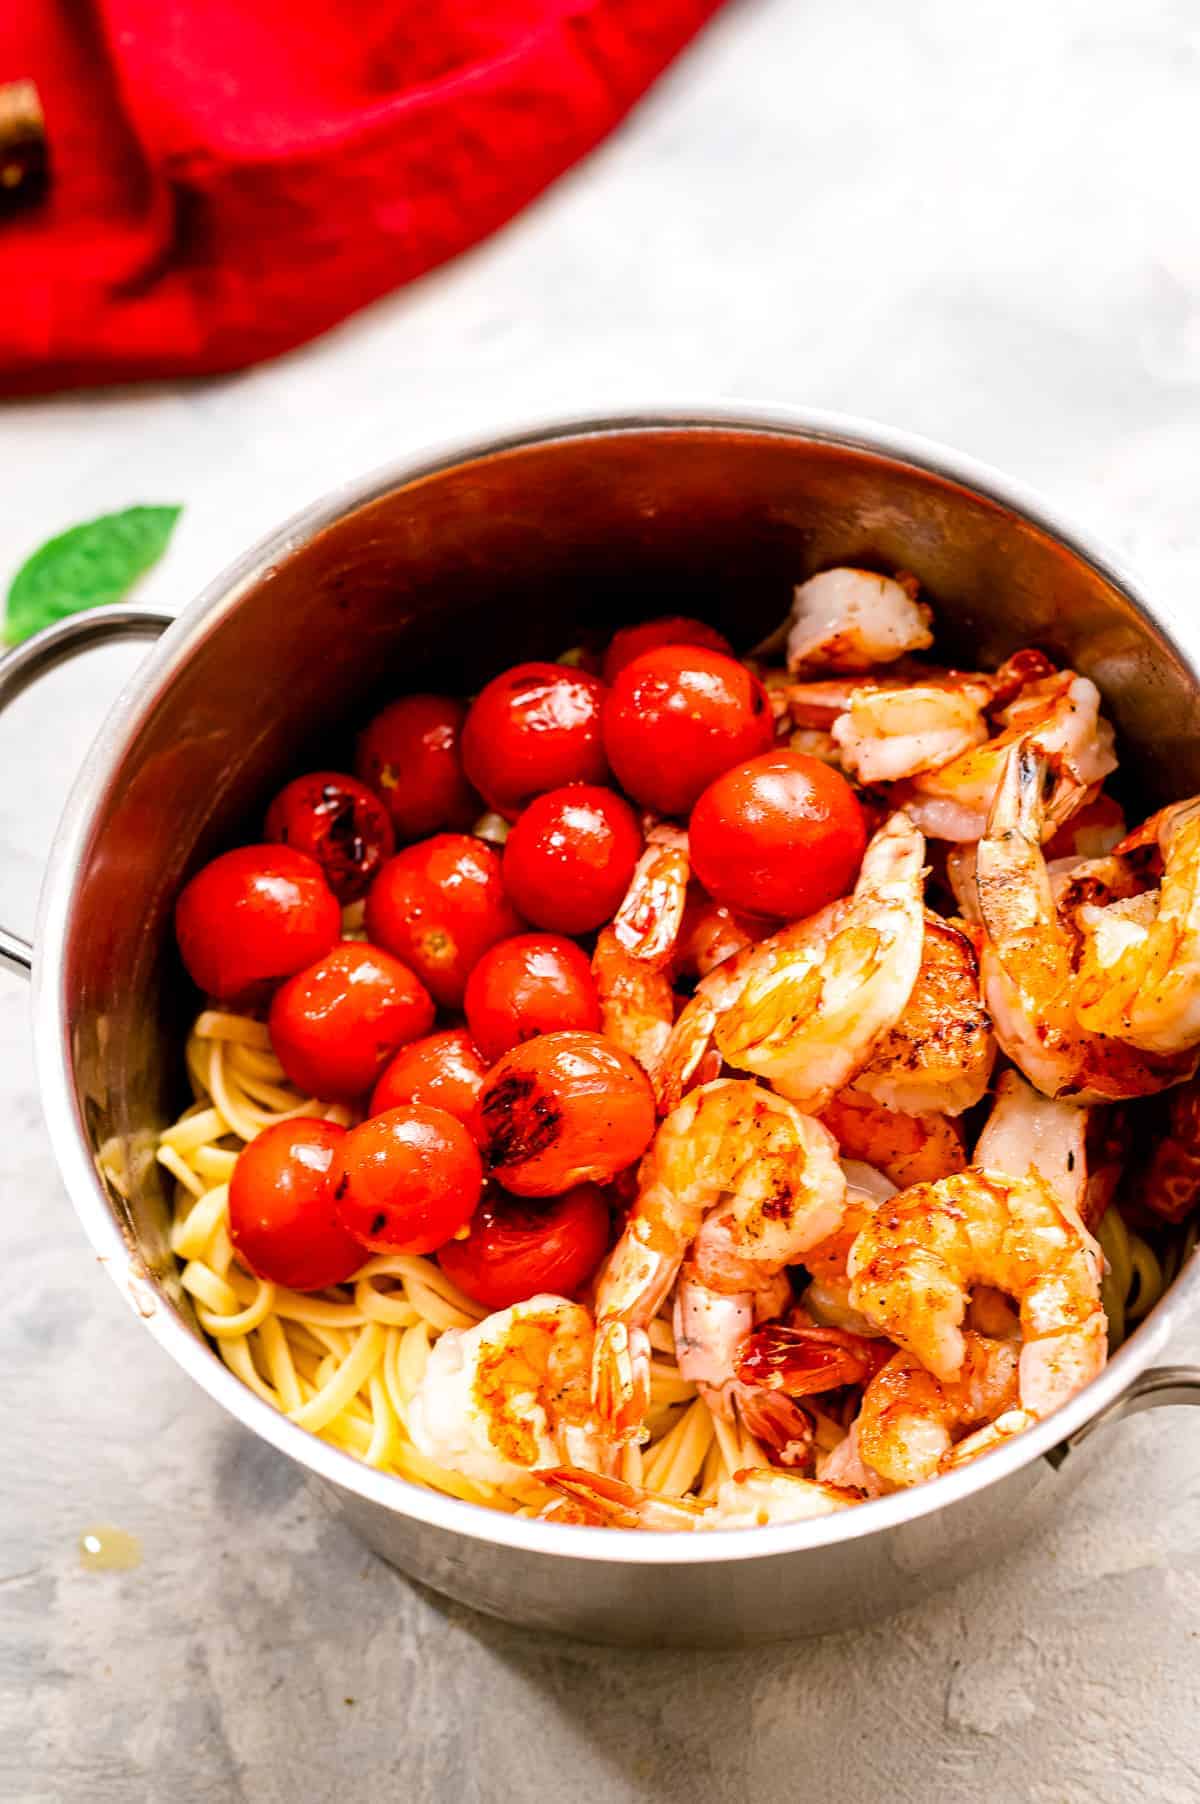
[(568, 860), (561, 1110), (676, 718), (252, 916), (668, 629), (438, 906), (517, 1249), (410, 755), (534, 728), (282, 1219), (443, 1071), (406, 1180), (335, 1024), (781, 835), (338, 821), (536, 983)]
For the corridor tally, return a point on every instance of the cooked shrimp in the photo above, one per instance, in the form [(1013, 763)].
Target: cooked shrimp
[(938, 1057), (691, 1055), (648, 921), (887, 734), (798, 1358), (1028, 961), (510, 1395), (905, 1427), (908, 1149), (750, 1499), (1063, 713), (827, 1299), (709, 934), (742, 1181), (1028, 1134), (1139, 978), (819, 996), (637, 1004), (849, 619), (916, 1258)]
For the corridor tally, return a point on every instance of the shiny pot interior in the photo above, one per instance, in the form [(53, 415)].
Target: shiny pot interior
[(436, 576)]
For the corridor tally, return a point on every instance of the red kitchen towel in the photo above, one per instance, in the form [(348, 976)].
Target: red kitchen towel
[(230, 177)]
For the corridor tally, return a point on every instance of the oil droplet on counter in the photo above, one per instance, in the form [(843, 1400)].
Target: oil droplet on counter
[(107, 1549)]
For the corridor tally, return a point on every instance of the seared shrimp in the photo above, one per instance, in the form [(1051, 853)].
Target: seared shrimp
[(1028, 961), (691, 1055), (938, 1057), (1029, 1134), (906, 1425), (510, 1395), (907, 1149), (1063, 713), (886, 734), (637, 1003), (849, 619), (827, 1299), (1139, 978), (743, 1182), (750, 1499), (818, 997), (916, 1258), (648, 921)]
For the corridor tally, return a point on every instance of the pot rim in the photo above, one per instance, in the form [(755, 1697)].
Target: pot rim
[(53, 1053)]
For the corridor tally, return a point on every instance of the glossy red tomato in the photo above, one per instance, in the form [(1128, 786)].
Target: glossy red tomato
[(438, 906), (443, 1071), (676, 718), (560, 1110), (534, 728), (781, 835), (536, 983), (282, 1219), (410, 754), (407, 1180), (568, 860), (338, 821), (517, 1249), (335, 1024), (668, 629), (252, 916)]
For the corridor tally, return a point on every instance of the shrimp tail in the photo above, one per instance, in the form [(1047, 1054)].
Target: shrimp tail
[(802, 1362), (621, 1378), (611, 1503)]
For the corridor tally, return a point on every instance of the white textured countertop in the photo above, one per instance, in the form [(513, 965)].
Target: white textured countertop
[(977, 222)]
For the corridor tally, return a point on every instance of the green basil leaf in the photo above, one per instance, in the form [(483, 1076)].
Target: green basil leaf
[(85, 567)]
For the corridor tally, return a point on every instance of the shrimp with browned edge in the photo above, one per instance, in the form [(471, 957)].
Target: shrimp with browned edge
[(1029, 956), (848, 619), (750, 1499), (918, 1255), (938, 1057), (648, 921), (1063, 713), (637, 1003), (511, 1395), (886, 734), (738, 1183), (908, 1149), (827, 1299), (1139, 976), (906, 1425), (818, 997)]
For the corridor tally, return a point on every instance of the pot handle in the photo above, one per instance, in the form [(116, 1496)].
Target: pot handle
[(1150, 1390), (55, 645)]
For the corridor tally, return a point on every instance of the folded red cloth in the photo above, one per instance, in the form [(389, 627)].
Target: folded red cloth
[(230, 177)]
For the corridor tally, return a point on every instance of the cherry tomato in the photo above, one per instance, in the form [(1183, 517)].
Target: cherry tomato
[(562, 1109), (568, 860), (338, 821), (336, 1023), (534, 984), (282, 1219), (518, 1249), (407, 1180), (252, 916), (668, 629), (410, 755), (781, 835), (443, 1071), (439, 905), (676, 718), (534, 728)]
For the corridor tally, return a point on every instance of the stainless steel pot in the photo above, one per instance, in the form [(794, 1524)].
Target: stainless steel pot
[(438, 570)]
